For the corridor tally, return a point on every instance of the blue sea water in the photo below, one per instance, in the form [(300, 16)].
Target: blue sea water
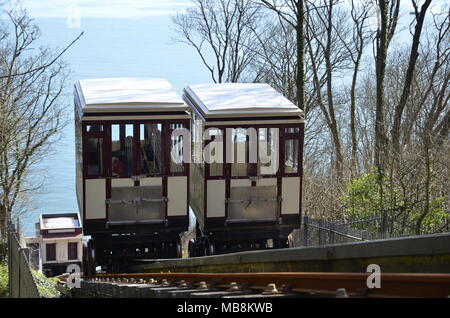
[(110, 47)]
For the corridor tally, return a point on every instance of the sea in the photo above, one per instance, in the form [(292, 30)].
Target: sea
[(121, 39)]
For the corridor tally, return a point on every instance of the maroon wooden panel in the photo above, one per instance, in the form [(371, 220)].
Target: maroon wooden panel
[(72, 250), (50, 251)]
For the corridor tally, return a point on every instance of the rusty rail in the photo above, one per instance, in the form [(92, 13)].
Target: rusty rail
[(307, 284)]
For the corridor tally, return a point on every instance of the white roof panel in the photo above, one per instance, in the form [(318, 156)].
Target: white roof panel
[(60, 222), (128, 94), (240, 100)]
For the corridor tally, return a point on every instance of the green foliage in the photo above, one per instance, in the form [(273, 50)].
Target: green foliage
[(46, 286), (362, 199), (4, 286), (435, 217)]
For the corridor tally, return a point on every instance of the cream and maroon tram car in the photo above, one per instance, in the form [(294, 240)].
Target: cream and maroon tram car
[(132, 192), (246, 171)]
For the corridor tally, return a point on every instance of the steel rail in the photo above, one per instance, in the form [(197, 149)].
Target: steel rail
[(314, 283)]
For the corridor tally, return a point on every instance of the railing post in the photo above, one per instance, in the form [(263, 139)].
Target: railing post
[(9, 260), (19, 272), (384, 224), (305, 231), (320, 231), (364, 235), (331, 233)]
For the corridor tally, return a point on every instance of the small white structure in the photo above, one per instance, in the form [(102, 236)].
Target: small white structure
[(59, 243)]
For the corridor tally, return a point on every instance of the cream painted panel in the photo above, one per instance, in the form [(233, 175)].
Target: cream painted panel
[(80, 250), (290, 193), (122, 182), (267, 182), (95, 199), (177, 195), (215, 202), (147, 182), (241, 183), (61, 251)]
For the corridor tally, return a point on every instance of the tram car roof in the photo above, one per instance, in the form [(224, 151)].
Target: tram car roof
[(239, 100), (128, 95)]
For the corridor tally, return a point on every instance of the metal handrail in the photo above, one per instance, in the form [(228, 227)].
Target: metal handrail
[(251, 199), (336, 232), (137, 200), (361, 221)]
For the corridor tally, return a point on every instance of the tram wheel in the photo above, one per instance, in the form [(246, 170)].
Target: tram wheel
[(85, 259), (192, 248), (90, 257), (173, 249), (178, 248), (282, 243), (210, 248)]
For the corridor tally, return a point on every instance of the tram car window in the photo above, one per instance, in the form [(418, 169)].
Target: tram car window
[(246, 171), (132, 192)]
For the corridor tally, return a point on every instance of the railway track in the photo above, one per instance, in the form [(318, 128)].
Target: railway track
[(257, 285)]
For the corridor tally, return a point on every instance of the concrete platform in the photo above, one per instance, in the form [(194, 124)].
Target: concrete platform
[(414, 254)]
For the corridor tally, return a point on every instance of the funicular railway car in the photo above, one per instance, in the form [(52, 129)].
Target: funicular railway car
[(246, 171), (132, 193)]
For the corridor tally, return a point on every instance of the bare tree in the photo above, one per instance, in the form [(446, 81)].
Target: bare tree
[(419, 21), (359, 17), (293, 13), (327, 32), (413, 187), (221, 32), (31, 109), (388, 19)]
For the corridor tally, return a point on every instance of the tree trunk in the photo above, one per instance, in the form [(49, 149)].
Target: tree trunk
[(3, 225), (329, 72), (420, 17), (354, 163), (300, 81), (426, 209), (380, 129)]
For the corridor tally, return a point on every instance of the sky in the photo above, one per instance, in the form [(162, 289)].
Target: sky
[(103, 8)]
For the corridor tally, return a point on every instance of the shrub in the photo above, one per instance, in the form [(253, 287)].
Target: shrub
[(4, 284), (362, 199), (46, 286)]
